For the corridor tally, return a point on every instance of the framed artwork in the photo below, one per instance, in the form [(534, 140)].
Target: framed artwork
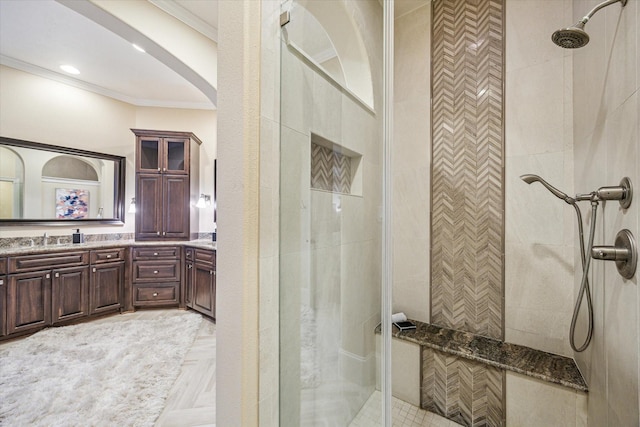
[(72, 203)]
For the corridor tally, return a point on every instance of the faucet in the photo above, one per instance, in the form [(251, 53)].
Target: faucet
[(45, 239)]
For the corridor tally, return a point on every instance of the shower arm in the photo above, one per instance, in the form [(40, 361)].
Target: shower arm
[(592, 12)]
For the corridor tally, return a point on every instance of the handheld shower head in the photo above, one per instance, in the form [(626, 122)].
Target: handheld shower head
[(530, 179), (575, 36)]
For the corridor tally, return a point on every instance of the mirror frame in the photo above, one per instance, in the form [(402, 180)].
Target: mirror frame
[(118, 188)]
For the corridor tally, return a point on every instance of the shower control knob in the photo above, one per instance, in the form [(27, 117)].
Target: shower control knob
[(623, 252)]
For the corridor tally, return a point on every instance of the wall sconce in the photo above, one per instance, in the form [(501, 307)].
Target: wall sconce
[(203, 201), (132, 205)]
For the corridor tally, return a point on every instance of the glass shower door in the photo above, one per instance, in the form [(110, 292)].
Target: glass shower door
[(330, 218)]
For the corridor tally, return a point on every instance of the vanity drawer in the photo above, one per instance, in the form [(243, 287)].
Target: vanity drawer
[(107, 255), (205, 256), (22, 263), (156, 252), (153, 271), (156, 294)]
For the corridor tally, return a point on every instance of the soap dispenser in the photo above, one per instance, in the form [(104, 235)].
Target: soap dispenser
[(78, 237)]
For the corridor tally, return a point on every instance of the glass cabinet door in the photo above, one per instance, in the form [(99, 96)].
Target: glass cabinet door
[(176, 155), (149, 151)]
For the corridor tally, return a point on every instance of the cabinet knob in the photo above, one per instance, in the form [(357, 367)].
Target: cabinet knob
[(155, 294), (1, 282), (157, 233), (214, 273), (94, 269), (57, 274), (48, 276), (164, 233), (210, 272), (155, 254), (155, 271), (108, 256), (190, 266)]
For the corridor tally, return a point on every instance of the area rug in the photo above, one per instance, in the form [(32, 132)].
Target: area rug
[(94, 374)]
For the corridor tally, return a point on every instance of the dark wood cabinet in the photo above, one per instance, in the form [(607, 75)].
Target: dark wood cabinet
[(200, 280), (167, 179), (155, 273), (28, 301), (69, 294), (44, 289), (3, 297), (107, 280)]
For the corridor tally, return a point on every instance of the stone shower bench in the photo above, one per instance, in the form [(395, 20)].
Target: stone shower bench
[(511, 357)]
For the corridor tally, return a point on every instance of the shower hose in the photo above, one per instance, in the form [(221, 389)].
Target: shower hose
[(584, 284)]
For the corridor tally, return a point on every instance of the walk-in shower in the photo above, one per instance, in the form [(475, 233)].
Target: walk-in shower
[(623, 251), (575, 36)]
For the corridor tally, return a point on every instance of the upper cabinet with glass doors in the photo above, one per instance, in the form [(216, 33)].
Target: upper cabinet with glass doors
[(168, 153)]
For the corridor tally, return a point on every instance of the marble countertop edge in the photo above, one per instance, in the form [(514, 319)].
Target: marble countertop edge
[(527, 361), (104, 244)]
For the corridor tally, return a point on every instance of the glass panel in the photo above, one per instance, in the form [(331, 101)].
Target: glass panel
[(175, 155), (149, 154), (330, 238)]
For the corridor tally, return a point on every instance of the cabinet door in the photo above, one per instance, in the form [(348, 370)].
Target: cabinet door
[(176, 156), (70, 293), (28, 301), (189, 283), (204, 290), (148, 207), (3, 306), (106, 286), (148, 154), (176, 207)]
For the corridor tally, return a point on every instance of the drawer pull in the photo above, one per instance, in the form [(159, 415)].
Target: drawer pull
[(190, 266), (155, 254), (108, 256), (155, 294), (1, 282), (48, 276), (94, 269), (157, 233), (210, 272), (57, 274), (155, 271)]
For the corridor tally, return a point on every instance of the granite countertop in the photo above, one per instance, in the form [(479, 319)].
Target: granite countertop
[(104, 244), (512, 357)]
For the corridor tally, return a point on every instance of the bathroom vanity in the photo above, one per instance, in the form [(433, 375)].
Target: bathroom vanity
[(61, 284)]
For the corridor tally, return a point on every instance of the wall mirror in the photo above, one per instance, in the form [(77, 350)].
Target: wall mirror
[(52, 185)]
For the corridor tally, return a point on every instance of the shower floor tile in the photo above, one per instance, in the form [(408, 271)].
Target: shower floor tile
[(404, 415)]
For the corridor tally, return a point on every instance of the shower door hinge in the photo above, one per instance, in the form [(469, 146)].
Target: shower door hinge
[(285, 17)]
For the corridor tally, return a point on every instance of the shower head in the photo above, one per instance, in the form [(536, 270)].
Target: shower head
[(571, 37), (575, 36), (529, 179)]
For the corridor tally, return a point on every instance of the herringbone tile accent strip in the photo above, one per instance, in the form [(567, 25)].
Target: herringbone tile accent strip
[(330, 170), (467, 392), (467, 170)]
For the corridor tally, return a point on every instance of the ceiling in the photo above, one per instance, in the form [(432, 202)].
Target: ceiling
[(39, 36)]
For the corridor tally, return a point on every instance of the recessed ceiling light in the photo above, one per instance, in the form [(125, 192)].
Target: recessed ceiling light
[(138, 48), (70, 69)]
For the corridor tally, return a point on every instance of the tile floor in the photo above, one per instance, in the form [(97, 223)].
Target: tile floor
[(403, 415)]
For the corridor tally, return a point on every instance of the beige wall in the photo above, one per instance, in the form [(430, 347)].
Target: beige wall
[(411, 164), (42, 110), (606, 128)]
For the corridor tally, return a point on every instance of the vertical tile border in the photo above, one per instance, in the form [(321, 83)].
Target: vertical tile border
[(467, 202)]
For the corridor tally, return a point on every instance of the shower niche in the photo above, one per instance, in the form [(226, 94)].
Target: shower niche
[(335, 168)]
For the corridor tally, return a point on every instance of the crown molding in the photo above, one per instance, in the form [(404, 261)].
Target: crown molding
[(182, 14)]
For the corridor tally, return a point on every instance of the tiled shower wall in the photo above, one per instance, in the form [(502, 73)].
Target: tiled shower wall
[(467, 219)]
